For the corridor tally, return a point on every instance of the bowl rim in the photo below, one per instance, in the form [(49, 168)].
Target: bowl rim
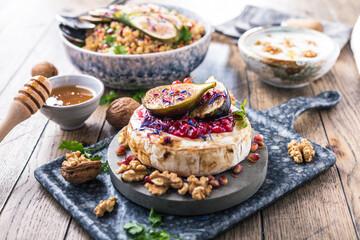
[(209, 29), (243, 47), (98, 93)]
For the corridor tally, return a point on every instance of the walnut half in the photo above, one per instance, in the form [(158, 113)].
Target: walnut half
[(78, 169), (132, 172), (199, 188), (301, 151), (161, 182)]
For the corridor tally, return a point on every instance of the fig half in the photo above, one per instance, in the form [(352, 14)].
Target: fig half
[(174, 100)]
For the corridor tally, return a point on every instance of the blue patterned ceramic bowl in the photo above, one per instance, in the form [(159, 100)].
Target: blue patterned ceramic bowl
[(142, 70)]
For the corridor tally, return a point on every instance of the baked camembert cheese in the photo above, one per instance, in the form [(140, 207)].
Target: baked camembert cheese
[(210, 137)]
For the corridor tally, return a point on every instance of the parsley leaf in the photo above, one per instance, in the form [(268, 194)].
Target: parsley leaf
[(119, 49), (109, 40), (139, 95), (108, 98), (133, 228), (139, 232), (154, 218), (76, 146), (184, 35), (72, 146), (104, 167), (240, 115)]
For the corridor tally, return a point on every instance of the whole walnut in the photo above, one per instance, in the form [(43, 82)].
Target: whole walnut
[(45, 69), (120, 111)]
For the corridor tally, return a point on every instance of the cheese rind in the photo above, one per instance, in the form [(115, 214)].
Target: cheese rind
[(186, 156)]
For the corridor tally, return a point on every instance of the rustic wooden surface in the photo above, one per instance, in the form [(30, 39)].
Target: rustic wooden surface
[(328, 207)]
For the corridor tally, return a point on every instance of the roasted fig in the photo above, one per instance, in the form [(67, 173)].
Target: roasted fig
[(157, 28), (174, 100), (215, 103)]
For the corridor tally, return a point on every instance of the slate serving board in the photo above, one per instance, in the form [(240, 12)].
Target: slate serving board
[(283, 176)]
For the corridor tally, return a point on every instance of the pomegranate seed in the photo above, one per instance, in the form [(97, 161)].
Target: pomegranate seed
[(258, 138), (225, 121), (238, 168), (214, 183), (176, 82), (228, 128), (210, 177), (193, 133), (217, 129), (254, 147), (147, 179), (123, 162), (129, 158), (120, 151), (261, 144), (254, 157), (223, 180), (187, 80)]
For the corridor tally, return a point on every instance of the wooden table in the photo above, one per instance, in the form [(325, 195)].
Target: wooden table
[(328, 207)]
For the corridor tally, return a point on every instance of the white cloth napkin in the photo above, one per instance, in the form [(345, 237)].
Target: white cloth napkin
[(355, 43)]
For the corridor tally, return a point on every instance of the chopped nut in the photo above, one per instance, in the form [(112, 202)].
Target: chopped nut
[(309, 54), (203, 182), (184, 189), (161, 182), (105, 206), (132, 172), (122, 137), (300, 151), (271, 49)]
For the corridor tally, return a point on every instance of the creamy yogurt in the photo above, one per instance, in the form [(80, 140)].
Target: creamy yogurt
[(287, 45)]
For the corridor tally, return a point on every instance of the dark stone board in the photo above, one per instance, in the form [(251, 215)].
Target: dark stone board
[(283, 176)]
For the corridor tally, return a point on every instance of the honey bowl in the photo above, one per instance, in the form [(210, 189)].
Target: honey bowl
[(73, 99)]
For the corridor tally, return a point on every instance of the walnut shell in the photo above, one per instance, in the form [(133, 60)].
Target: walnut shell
[(81, 173), (120, 110), (45, 69)]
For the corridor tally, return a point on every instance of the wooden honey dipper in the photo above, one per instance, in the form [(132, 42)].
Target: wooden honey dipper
[(30, 98)]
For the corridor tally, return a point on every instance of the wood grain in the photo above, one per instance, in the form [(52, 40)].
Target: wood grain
[(23, 138), (325, 208), (35, 218)]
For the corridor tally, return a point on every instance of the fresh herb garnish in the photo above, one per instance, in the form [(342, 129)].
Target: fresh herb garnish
[(119, 49), (184, 35), (240, 115), (108, 98), (76, 146), (138, 232), (138, 95), (109, 40)]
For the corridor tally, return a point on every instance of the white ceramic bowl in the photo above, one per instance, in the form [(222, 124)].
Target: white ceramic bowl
[(287, 73), (138, 71), (73, 117)]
